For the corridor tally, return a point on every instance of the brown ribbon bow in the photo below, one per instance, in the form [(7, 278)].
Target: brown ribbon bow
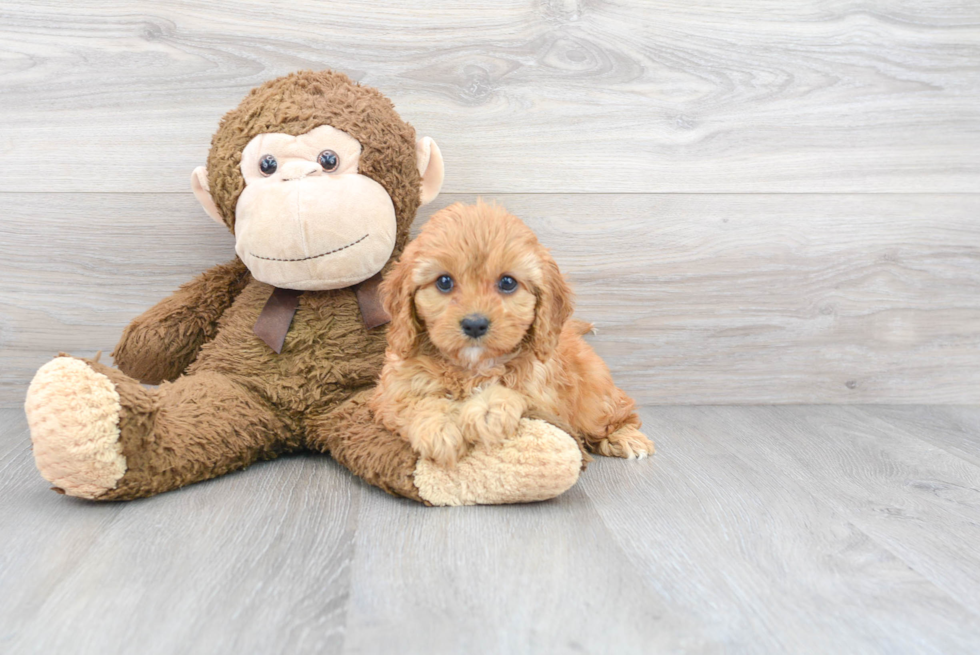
[(277, 315)]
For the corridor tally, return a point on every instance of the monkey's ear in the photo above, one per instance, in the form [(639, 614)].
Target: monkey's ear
[(430, 168), (199, 185)]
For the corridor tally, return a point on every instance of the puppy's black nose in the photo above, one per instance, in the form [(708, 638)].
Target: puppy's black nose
[(475, 326)]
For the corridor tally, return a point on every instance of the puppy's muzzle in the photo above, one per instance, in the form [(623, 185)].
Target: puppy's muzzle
[(475, 325)]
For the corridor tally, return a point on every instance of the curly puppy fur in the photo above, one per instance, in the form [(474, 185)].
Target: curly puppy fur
[(444, 391)]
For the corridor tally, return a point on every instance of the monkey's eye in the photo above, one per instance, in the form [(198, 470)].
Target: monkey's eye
[(268, 164), (329, 160), (506, 284), (444, 283)]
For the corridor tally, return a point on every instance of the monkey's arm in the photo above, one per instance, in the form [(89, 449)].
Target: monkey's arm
[(160, 343)]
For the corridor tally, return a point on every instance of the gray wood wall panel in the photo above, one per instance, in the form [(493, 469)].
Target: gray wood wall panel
[(524, 96), (758, 202), (696, 298)]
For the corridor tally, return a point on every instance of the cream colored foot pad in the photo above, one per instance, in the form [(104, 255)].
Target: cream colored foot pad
[(73, 413), (539, 463)]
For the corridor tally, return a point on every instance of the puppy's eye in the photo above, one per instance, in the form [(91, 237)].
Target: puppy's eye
[(444, 283), (329, 160), (507, 284), (268, 164)]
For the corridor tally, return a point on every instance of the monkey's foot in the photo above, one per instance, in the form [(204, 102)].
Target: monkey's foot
[(73, 413), (539, 463)]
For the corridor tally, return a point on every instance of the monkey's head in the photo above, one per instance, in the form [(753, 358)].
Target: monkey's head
[(319, 180)]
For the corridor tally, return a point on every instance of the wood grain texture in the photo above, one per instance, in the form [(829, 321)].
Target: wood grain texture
[(753, 530), (696, 298), (880, 474), (257, 563), (953, 429), (523, 96), (541, 579), (729, 534)]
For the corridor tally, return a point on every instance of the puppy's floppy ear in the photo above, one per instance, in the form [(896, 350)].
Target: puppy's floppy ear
[(554, 308), (398, 297)]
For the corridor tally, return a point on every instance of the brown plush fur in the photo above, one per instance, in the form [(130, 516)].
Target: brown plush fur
[(297, 103), (357, 441), (161, 344), (233, 400), (444, 391)]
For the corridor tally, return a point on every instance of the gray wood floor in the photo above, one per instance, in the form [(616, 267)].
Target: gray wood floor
[(792, 529)]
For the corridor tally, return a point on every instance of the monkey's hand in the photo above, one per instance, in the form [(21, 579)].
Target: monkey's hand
[(491, 415), (159, 344)]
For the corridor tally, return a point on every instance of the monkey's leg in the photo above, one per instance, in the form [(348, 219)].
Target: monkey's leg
[(99, 434), (538, 463)]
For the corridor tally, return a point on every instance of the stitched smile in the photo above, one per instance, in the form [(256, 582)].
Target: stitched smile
[(303, 259)]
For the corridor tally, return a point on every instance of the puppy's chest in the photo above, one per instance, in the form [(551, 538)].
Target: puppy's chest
[(462, 387), (528, 381)]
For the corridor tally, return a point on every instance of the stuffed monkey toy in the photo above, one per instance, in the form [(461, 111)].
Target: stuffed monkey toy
[(318, 179)]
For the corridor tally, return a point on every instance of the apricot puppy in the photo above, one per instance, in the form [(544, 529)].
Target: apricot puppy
[(481, 335)]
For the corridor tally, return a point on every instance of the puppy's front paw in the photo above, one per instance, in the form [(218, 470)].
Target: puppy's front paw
[(492, 415), (437, 438), (626, 442)]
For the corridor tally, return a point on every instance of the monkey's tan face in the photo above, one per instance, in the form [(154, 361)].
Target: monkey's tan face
[(307, 219)]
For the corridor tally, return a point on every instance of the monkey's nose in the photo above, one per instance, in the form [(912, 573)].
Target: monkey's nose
[(295, 170), (475, 325)]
